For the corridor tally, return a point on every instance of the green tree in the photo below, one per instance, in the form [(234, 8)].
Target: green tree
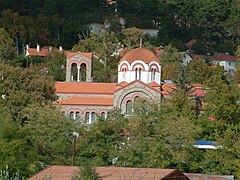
[(23, 87), (56, 63), (86, 173), (103, 47), (170, 60), (198, 71), (7, 49), (132, 37)]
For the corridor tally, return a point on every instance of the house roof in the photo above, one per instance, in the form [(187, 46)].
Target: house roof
[(220, 57), (223, 57), (71, 54), (159, 51), (110, 173), (140, 54), (34, 52), (92, 100), (197, 92), (85, 88), (191, 43)]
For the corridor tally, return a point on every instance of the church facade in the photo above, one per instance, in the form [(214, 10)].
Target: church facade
[(139, 76)]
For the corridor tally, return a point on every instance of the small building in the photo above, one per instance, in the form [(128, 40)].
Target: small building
[(228, 62), (152, 32)]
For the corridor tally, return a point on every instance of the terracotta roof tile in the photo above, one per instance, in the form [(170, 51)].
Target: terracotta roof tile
[(223, 58), (34, 52), (140, 54), (154, 84), (71, 54), (84, 88), (93, 101), (159, 51), (197, 92), (191, 42), (110, 173)]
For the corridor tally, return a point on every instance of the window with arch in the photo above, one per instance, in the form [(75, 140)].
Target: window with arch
[(71, 115), (74, 72), (138, 73), (77, 116), (124, 70), (103, 115), (87, 118), (93, 117), (153, 74), (129, 108), (83, 72)]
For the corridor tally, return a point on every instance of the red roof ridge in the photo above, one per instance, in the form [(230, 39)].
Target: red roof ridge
[(154, 84), (140, 83), (71, 54)]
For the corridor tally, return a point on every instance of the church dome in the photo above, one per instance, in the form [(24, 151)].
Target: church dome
[(142, 54)]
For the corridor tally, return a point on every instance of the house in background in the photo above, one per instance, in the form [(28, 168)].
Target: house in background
[(228, 62), (40, 51)]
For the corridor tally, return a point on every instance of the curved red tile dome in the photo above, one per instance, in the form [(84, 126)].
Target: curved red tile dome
[(142, 54)]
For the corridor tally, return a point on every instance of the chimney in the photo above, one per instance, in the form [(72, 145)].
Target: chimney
[(60, 48), (38, 47), (27, 47)]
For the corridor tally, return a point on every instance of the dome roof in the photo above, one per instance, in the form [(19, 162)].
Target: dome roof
[(142, 54)]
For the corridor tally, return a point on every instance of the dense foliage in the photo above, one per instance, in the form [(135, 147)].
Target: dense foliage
[(215, 24)]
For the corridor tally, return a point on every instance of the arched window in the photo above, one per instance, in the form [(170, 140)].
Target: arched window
[(77, 116), (129, 108), (71, 115), (87, 118), (124, 70), (74, 72), (93, 117), (138, 73), (153, 74), (103, 115), (83, 72)]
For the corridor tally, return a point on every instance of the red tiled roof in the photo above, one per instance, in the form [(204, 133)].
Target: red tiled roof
[(159, 51), (111, 173), (154, 84), (84, 88), (223, 58), (124, 83), (191, 42), (140, 54), (93, 101), (197, 92), (34, 52), (71, 54)]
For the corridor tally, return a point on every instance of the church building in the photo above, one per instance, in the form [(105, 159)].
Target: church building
[(139, 76)]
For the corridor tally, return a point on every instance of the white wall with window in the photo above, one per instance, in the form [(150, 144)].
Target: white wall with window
[(139, 70)]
